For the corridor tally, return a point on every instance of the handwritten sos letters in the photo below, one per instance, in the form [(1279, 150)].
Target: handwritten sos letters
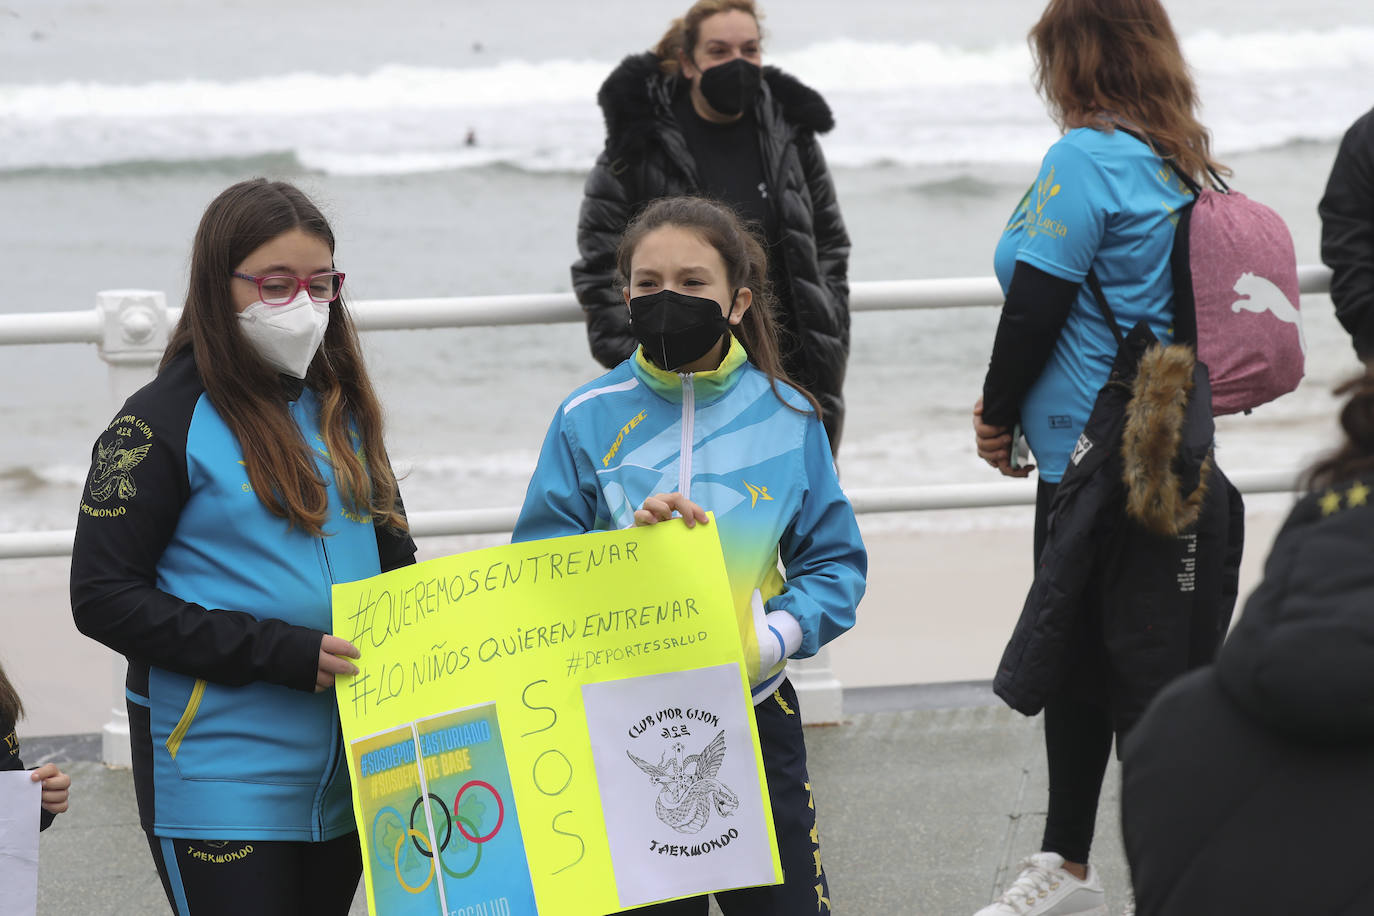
[(557, 727)]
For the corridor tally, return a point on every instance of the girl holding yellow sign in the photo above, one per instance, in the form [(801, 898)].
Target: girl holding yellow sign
[(702, 417), (225, 500)]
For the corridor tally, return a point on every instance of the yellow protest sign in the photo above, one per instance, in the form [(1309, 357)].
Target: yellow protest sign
[(559, 727)]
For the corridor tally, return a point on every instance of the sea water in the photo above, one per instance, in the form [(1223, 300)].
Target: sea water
[(448, 143)]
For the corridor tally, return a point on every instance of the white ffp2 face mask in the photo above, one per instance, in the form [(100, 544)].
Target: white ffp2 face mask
[(286, 336)]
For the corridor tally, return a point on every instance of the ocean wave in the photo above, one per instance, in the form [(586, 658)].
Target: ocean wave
[(24, 478), (838, 65), (275, 163), (896, 104), (961, 186), (389, 88)]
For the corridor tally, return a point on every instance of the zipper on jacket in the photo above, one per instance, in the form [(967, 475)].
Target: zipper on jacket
[(328, 567), (689, 403), (335, 754)]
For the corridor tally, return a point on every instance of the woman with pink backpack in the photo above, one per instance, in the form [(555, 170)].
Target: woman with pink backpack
[(1137, 532)]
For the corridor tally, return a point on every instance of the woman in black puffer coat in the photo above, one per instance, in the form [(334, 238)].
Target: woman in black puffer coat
[(700, 115), (1246, 787)]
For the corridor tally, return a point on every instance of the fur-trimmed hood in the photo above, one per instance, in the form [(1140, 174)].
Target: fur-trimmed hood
[(1166, 441), (637, 92)]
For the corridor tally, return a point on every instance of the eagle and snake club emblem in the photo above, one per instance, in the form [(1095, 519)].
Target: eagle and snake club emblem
[(113, 471), (689, 787)]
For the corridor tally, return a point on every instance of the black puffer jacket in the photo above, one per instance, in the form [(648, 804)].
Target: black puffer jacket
[(1138, 576), (1347, 212), (1246, 787), (646, 157)]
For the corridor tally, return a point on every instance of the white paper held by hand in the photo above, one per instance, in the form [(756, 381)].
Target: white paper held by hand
[(21, 800)]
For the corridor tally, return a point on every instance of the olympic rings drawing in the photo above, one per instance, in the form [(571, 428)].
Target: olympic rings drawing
[(500, 807), (449, 817), (416, 836)]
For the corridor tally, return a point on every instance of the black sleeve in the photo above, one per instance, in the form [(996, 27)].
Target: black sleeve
[(395, 547), (832, 239), (606, 209), (9, 760), (1347, 214), (129, 510), (1037, 306)]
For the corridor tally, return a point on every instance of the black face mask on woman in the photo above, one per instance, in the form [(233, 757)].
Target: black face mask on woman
[(675, 329), (731, 87)]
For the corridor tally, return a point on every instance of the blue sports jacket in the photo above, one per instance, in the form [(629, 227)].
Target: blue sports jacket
[(725, 440), (219, 607)]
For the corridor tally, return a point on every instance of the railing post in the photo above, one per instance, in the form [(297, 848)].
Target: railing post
[(135, 334), (819, 692)]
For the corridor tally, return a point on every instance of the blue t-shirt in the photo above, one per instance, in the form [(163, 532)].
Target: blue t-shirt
[(1105, 201)]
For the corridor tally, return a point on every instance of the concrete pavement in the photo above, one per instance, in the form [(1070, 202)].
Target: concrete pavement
[(928, 797)]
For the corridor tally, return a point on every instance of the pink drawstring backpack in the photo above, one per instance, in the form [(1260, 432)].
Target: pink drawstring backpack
[(1236, 294)]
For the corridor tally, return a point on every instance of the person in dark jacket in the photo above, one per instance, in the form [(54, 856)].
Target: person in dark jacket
[(1347, 212), (56, 784), (701, 115), (1136, 533), (224, 501), (1144, 525), (1246, 785)]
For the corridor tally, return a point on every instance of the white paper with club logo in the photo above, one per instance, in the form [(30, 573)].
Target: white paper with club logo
[(681, 789)]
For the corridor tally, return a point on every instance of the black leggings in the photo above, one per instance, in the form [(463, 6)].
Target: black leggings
[(804, 888), (265, 878), (1078, 744)]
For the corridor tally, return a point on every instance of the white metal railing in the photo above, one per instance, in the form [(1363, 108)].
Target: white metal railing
[(550, 308), (33, 544), (131, 328), (126, 325)]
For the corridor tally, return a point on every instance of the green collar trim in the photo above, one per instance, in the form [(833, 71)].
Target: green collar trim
[(707, 385)]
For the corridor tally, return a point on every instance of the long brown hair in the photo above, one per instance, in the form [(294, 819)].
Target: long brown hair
[(10, 707), (746, 264), (246, 390), (1355, 456), (1103, 62), (683, 33)]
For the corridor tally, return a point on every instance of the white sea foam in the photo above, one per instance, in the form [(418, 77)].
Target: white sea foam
[(917, 103)]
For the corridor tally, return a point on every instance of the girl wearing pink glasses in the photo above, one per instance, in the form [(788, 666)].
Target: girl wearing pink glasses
[(223, 502)]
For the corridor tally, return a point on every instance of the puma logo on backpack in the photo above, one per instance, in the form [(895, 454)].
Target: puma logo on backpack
[(1227, 245), (1259, 295)]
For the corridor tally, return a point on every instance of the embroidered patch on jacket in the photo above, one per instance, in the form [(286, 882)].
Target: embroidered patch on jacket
[(1060, 421), (120, 449)]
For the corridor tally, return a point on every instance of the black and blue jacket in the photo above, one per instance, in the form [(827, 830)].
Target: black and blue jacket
[(220, 608)]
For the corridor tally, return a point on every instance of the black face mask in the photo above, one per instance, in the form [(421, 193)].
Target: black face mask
[(731, 87), (675, 329)]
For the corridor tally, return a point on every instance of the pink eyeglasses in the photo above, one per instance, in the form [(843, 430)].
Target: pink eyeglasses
[(279, 289)]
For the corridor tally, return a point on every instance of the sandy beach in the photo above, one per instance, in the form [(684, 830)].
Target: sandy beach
[(939, 607)]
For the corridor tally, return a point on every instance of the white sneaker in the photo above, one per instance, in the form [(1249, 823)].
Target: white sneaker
[(1044, 888)]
